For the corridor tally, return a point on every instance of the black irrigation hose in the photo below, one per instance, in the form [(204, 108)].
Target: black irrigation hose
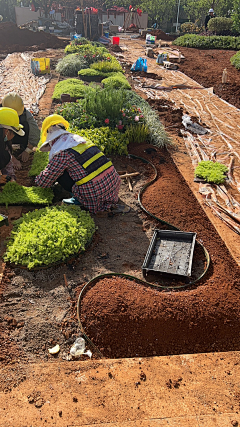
[(93, 281)]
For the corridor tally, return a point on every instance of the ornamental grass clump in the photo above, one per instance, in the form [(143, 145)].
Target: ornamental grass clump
[(137, 133), (50, 235), (15, 194), (71, 64), (213, 172), (74, 87)]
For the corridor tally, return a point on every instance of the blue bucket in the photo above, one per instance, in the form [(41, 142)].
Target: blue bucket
[(106, 34)]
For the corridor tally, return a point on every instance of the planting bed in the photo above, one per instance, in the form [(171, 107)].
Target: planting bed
[(125, 319), (41, 309), (206, 67)]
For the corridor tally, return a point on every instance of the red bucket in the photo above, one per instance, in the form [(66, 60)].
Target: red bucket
[(115, 40)]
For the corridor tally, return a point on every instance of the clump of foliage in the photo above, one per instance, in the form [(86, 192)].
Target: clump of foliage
[(211, 171), (49, 235), (39, 163), (80, 41), (116, 81), (235, 60), (190, 28), (220, 25), (107, 66), (236, 16), (107, 140), (90, 53), (90, 72), (74, 87), (157, 135), (138, 133), (15, 194), (208, 42), (71, 64)]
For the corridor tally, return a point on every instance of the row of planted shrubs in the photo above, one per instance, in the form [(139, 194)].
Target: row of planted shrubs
[(208, 42), (217, 25)]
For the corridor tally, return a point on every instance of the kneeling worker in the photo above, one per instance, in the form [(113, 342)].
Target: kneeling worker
[(9, 127), (79, 166), (30, 127)]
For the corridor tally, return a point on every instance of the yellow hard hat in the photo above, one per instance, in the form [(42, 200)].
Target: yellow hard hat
[(9, 120), (54, 119), (14, 101)]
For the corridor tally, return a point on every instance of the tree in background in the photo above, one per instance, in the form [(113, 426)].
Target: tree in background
[(196, 10), (236, 15), (7, 9)]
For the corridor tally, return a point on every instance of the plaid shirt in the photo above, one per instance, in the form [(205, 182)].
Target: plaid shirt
[(96, 195)]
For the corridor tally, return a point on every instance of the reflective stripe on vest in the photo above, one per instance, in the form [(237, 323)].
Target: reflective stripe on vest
[(91, 159)]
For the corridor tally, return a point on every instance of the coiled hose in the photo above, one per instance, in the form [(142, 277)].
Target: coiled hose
[(93, 281)]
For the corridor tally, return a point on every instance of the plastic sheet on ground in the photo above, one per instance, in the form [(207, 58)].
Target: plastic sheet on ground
[(16, 76)]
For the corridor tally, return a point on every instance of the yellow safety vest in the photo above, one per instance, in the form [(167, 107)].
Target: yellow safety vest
[(91, 159)]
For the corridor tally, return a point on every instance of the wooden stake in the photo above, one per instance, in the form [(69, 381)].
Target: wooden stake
[(127, 175), (129, 183), (65, 280)]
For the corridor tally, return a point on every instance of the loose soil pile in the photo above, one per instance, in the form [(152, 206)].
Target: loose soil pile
[(13, 39), (161, 35), (125, 319), (206, 67)]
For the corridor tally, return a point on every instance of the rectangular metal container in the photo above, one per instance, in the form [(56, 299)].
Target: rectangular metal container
[(170, 252)]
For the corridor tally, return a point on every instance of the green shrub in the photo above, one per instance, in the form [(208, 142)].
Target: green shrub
[(208, 42), (71, 64), (80, 41), (190, 27), (107, 66), (137, 133), (15, 194), (109, 141), (235, 60), (91, 73), (116, 81), (39, 163), (211, 171), (49, 235), (220, 24), (74, 87), (157, 135)]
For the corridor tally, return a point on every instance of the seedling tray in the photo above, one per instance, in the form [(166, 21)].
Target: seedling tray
[(170, 252), (3, 220)]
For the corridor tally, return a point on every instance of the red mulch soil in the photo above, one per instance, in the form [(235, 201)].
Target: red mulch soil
[(206, 67), (14, 39), (126, 319)]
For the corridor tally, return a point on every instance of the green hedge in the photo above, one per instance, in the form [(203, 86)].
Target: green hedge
[(220, 24), (235, 60), (208, 42)]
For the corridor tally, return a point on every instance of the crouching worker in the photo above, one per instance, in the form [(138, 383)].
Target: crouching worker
[(9, 127), (79, 166), (30, 127)]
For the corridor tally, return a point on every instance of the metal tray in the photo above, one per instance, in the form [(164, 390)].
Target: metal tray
[(170, 252), (3, 220)]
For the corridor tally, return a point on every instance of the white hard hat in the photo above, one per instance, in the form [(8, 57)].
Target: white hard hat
[(211, 10)]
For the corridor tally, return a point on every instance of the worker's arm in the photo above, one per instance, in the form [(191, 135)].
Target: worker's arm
[(33, 136), (54, 169)]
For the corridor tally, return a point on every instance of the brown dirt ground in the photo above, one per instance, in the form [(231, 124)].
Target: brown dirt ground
[(14, 39), (151, 322), (206, 67), (41, 310)]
